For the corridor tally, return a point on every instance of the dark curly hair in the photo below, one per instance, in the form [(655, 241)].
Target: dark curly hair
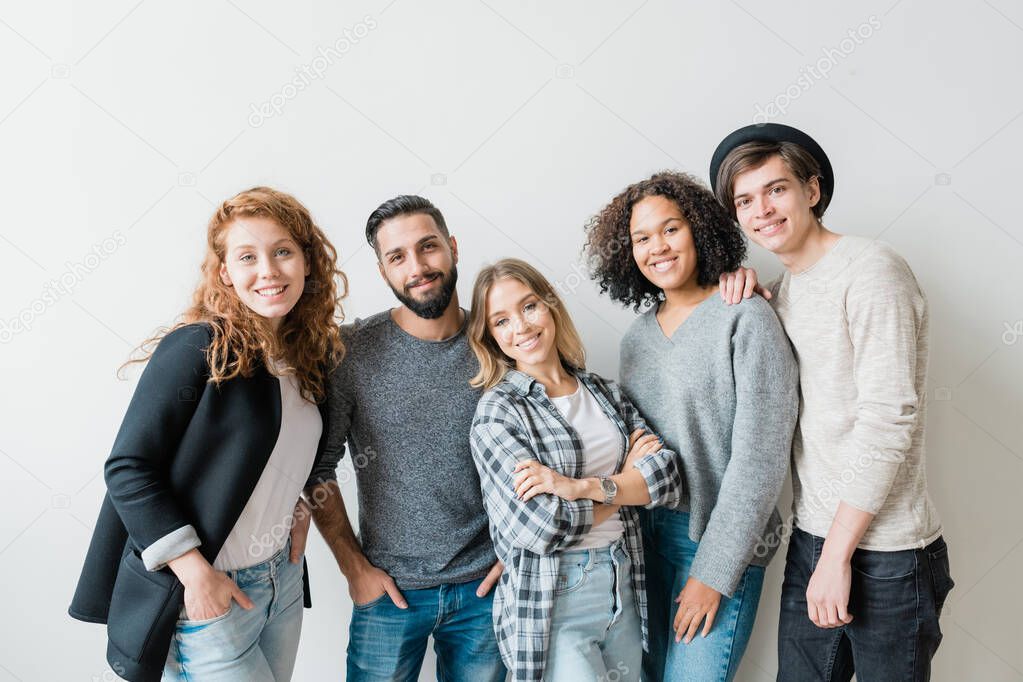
[(720, 245)]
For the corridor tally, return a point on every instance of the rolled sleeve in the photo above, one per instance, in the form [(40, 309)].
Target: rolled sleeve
[(662, 472), (170, 547)]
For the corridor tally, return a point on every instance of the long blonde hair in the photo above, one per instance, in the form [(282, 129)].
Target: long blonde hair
[(308, 340), (494, 364)]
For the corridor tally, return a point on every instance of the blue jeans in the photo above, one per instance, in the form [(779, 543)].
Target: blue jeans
[(895, 599), (244, 645), (596, 633), (669, 555), (388, 643)]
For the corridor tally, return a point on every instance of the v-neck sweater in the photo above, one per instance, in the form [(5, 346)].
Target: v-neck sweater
[(722, 392)]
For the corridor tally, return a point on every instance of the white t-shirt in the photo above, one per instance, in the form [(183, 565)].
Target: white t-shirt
[(602, 445), (265, 523)]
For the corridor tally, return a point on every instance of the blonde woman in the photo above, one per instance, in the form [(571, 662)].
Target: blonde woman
[(563, 459), (191, 564)]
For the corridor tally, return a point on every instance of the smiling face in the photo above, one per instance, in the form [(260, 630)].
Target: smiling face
[(662, 243), (264, 265), (419, 263), (774, 207), (521, 323)]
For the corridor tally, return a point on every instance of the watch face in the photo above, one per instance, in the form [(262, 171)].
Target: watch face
[(609, 486)]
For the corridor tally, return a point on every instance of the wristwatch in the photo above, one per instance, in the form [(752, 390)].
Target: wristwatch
[(610, 489)]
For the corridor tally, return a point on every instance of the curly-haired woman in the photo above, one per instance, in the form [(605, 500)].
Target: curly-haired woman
[(719, 384), (191, 565)]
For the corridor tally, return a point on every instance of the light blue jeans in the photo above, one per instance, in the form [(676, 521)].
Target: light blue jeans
[(255, 645), (596, 632), (669, 554)]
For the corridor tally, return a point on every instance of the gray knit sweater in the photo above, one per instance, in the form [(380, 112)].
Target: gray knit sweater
[(404, 406), (723, 393)]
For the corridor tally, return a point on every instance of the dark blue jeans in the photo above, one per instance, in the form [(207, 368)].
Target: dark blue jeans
[(388, 643), (895, 600)]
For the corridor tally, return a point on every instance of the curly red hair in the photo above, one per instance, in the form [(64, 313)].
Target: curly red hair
[(308, 340)]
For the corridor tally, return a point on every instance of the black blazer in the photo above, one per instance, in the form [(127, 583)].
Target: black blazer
[(187, 452)]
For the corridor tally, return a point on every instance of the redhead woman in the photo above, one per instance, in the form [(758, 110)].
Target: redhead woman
[(563, 458), (191, 565)]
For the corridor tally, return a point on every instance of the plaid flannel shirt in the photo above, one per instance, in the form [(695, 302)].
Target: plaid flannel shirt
[(516, 421)]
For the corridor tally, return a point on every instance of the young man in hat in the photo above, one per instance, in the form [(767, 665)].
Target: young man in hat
[(867, 570)]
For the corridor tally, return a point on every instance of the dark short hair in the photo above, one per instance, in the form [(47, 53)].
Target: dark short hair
[(720, 246), (755, 154), (406, 204)]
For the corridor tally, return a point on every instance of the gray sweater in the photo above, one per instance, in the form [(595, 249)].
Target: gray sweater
[(405, 407), (723, 393)]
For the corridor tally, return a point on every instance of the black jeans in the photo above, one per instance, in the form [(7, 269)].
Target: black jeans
[(895, 601)]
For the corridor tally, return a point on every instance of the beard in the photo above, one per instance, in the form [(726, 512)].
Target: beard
[(434, 305)]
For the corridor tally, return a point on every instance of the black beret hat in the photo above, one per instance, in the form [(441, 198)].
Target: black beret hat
[(774, 132)]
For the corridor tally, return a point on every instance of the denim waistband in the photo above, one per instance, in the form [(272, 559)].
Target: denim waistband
[(263, 570), (594, 555)]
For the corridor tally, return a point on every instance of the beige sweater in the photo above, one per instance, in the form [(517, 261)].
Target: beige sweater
[(858, 323)]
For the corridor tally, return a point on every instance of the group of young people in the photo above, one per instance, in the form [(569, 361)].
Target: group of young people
[(534, 518)]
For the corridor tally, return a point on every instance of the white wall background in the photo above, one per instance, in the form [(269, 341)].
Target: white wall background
[(126, 121)]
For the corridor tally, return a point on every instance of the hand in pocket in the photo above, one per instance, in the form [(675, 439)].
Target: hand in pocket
[(210, 596)]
